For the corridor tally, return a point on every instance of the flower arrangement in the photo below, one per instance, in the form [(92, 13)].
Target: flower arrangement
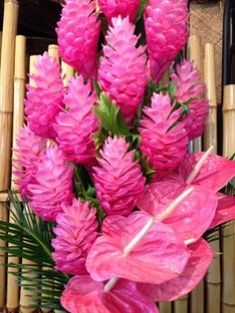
[(123, 209)]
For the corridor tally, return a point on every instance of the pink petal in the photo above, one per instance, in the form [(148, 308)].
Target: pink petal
[(215, 173), (191, 218), (84, 295), (151, 259), (225, 211), (193, 273)]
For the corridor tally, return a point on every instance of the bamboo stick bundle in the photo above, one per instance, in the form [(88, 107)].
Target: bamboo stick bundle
[(6, 106), (67, 73), (194, 53), (213, 279), (26, 304), (18, 119), (229, 231)]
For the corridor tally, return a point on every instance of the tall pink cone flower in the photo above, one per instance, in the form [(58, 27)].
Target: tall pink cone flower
[(76, 231), (189, 88), (84, 295), (76, 126), (52, 186), (78, 35), (44, 99), (166, 32), (123, 72), (118, 178), (29, 149), (163, 140), (124, 8)]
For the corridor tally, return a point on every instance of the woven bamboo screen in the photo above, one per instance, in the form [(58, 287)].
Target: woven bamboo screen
[(205, 48)]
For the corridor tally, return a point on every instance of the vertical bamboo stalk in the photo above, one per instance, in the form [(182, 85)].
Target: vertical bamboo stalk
[(0, 48), (181, 305), (229, 231), (213, 279), (18, 118), (165, 307), (26, 304), (67, 73), (53, 51), (194, 53), (6, 105)]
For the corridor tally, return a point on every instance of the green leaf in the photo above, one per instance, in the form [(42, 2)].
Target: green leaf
[(30, 238), (141, 9), (110, 117)]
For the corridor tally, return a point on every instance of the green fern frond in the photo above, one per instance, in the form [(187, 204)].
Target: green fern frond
[(30, 238)]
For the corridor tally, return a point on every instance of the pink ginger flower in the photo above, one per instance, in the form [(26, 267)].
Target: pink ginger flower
[(123, 72), (44, 99), (30, 147), (149, 261), (76, 126), (189, 88), (118, 178), (166, 25), (188, 81), (52, 186), (163, 140), (124, 8), (78, 36), (76, 231), (84, 295)]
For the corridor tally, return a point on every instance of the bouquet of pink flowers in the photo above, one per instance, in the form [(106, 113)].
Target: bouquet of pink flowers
[(106, 159)]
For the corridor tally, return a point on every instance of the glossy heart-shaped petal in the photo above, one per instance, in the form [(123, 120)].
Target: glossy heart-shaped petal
[(225, 211), (193, 273), (84, 295), (150, 261), (215, 173), (191, 218)]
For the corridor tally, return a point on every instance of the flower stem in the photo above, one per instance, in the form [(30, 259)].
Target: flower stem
[(198, 166)]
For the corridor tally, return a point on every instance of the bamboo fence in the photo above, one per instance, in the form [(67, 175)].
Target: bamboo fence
[(216, 294)]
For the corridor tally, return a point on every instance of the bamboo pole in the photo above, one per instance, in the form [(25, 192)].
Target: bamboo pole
[(18, 119), (181, 305), (53, 51), (6, 104), (194, 53), (165, 307), (229, 231), (67, 73), (213, 279), (26, 304), (0, 47)]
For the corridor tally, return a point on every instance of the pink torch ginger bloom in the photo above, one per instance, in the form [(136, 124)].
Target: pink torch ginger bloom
[(44, 99), (193, 273), (76, 126), (30, 147), (124, 8), (52, 186), (78, 36), (163, 140), (189, 88), (118, 178), (149, 261), (75, 233), (84, 295), (123, 72), (166, 32)]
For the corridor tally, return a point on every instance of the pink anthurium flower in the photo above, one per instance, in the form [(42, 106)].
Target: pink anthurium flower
[(191, 218), (193, 273), (225, 210), (84, 295), (149, 261)]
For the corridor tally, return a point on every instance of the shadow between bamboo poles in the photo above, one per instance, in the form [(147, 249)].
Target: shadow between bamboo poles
[(26, 304), (213, 278), (229, 232), (194, 53), (12, 302), (10, 19)]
